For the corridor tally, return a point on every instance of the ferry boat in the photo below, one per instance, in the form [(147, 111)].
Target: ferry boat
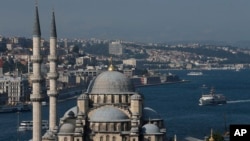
[(195, 73), (212, 99), (28, 125)]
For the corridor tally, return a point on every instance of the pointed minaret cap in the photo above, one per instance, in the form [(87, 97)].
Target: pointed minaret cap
[(53, 25), (36, 28), (211, 136)]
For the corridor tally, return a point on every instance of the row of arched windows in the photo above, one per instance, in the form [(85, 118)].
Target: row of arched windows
[(110, 126), (107, 138), (110, 98)]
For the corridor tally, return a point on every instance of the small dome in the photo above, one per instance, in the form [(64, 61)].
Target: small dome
[(150, 129), (49, 135), (70, 112), (83, 96), (150, 114), (111, 82), (108, 113), (136, 97), (67, 128)]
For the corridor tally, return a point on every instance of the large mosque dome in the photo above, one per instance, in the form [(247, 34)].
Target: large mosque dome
[(111, 82)]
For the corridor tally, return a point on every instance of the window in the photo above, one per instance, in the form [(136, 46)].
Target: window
[(65, 139), (101, 138), (113, 139), (107, 138)]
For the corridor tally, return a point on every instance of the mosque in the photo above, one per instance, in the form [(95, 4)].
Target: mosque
[(110, 110)]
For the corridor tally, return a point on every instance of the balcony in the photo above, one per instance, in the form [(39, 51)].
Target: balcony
[(52, 75), (35, 79), (36, 59), (52, 93), (52, 58)]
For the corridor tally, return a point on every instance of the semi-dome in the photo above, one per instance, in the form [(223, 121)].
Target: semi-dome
[(71, 111), (150, 114), (108, 114), (150, 129), (67, 128), (111, 82)]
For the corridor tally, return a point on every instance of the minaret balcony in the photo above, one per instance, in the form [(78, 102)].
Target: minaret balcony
[(52, 58), (52, 93), (36, 97), (35, 79), (36, 59), (52, 75)]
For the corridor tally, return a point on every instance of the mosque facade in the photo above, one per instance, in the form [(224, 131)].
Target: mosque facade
[(110, 110)]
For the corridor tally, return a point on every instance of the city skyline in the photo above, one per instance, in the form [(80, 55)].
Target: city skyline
[(146, 21)]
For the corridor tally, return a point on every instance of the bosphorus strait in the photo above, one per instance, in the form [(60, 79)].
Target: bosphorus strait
[(177, 104)]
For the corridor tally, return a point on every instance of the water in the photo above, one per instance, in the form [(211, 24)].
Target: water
[(177, 105)]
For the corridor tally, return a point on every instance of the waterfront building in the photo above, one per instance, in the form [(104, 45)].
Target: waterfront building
[(14, 88)]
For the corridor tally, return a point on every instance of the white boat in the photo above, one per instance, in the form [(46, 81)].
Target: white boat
[(212, 99), (195, 73), (28, 125)]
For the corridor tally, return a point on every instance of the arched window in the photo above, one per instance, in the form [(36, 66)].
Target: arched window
[(101, 138), (107, 138), (65, 139), (104, 99), (149, 138), (98, 99), (112, 99), (113, 139), (120, 99), (115, 127), (125, 126)]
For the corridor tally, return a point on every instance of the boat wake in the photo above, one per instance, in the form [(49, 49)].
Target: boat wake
[(239, 101)]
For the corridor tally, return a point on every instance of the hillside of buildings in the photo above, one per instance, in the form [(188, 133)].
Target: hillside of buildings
[(79, 53)]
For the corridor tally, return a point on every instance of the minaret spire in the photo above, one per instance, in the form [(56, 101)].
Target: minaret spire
[(36, 28), (53, 32)]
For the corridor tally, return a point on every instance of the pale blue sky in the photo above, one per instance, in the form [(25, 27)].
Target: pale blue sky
[(133, 20)]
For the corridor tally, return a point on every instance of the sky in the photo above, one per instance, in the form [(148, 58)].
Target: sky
[(131, 20)]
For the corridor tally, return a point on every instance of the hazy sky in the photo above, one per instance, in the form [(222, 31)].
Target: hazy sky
[(133, 20)]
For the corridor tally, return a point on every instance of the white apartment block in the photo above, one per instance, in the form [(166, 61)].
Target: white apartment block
[(116, 48)]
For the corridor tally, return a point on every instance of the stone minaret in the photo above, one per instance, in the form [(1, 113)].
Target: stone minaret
[(52, 76), (36, 97)]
